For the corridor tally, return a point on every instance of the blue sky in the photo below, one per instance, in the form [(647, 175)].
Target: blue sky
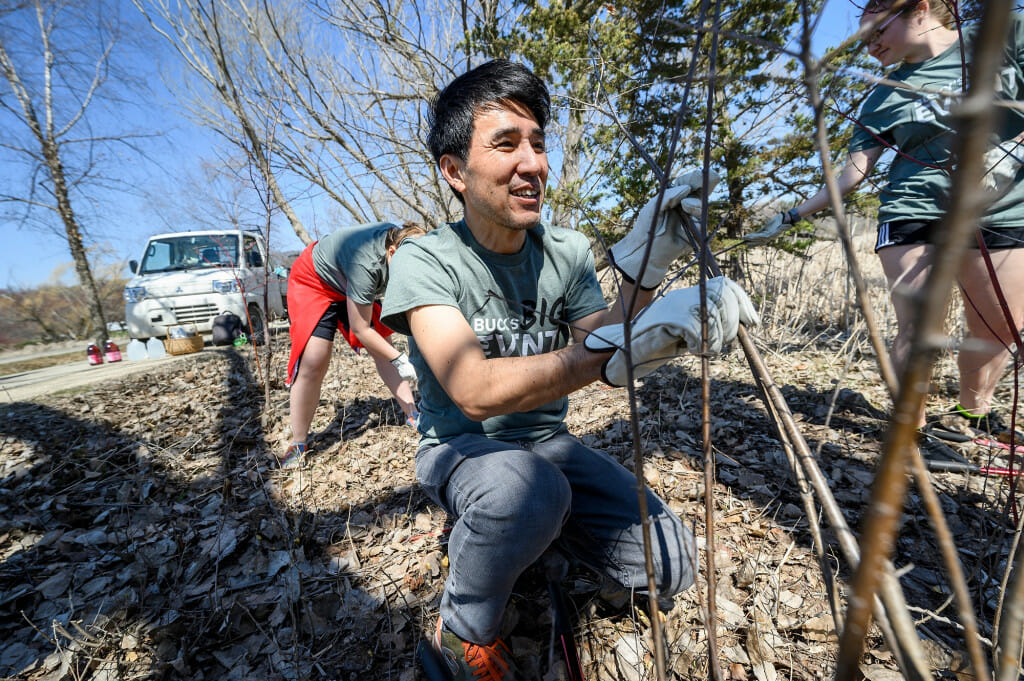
[(149, 188)]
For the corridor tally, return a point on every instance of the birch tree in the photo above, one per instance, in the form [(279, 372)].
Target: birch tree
[(55, 59)]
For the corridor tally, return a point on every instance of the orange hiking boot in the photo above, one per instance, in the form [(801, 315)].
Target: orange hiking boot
[(471, 662)]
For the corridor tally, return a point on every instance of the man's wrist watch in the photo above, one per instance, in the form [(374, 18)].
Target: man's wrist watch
[(791, 217)]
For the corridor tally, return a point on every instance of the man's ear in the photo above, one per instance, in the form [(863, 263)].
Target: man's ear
[(451, 170)]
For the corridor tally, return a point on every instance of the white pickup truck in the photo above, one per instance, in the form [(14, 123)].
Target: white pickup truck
[(189, 278)]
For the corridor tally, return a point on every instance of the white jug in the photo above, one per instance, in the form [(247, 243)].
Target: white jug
[(136, 350), (155, 348)]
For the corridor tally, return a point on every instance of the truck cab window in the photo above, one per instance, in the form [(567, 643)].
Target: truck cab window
[(253, 258)]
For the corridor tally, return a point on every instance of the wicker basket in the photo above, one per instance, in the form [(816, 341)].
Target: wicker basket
[(183, 346)]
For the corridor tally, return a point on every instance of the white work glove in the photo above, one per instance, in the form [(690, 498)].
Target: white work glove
[(670, 325), (405, 368), (1001, 165), (670, 240), (774, 227)]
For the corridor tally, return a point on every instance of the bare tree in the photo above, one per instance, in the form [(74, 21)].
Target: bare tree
[(216, 192), (206, 35), (349, 83), (55, 58), (356, 91)]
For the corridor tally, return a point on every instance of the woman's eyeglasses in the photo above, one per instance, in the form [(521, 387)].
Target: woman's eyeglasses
[(880, 30)]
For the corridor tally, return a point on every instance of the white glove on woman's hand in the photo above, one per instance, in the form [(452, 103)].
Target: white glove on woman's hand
[(405, 368), (1001, 165), (670, 325), (670, 240), (774, 227)]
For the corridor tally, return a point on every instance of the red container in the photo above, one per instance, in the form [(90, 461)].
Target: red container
[(111, 351), (93, 353)]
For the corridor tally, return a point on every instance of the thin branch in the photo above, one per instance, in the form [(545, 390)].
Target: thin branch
[(976, 120)]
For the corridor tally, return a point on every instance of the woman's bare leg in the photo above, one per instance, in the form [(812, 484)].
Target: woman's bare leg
[(305, 390), (985, 351), (906, 269)]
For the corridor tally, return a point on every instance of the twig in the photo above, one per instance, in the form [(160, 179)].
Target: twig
[(976, 121), (705, 372), (952, 560), (1010, 646), (842, 228), (932, 615), (902, 637)]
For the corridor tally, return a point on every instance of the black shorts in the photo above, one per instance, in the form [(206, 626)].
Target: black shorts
[(335, 315), (913, 232), (1012, 237)]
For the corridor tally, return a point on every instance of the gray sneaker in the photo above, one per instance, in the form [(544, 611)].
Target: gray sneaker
[(293, 455)]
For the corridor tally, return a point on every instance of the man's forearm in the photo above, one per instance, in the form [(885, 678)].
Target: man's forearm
[(507, 385)]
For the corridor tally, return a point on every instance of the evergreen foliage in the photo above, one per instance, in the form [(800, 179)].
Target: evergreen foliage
[(628, 74)]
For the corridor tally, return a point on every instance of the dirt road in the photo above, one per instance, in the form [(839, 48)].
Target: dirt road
[(21, 386)]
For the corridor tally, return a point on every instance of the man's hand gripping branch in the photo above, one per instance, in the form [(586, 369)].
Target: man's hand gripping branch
[(670, 241), (671, 325)]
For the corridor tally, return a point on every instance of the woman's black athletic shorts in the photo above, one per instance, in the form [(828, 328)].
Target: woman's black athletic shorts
[(911, 232)]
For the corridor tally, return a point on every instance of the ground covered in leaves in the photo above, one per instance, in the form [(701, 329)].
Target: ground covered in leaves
[(145, 532)]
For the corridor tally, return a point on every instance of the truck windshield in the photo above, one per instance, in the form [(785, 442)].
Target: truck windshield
[(188, 252)]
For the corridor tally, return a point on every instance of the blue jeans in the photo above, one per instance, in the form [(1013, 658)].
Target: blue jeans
[(511, 501)]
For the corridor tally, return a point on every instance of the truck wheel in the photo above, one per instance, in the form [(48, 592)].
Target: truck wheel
[(259, 326)]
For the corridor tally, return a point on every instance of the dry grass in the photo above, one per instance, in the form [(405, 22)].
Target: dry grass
[(22, 365)]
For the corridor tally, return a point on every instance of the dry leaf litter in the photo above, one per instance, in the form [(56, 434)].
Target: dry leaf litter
[(145, 532)]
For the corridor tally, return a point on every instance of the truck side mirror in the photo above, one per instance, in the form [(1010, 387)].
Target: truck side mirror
[(255, 259), (133, 265)]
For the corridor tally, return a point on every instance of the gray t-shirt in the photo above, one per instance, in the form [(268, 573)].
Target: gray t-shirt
[(918, 123), (352, 260), (517, 304)]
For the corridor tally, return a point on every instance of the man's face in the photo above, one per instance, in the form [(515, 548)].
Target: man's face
[(503, 176)]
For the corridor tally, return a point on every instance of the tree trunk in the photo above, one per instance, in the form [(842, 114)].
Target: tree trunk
[(257, 150), (275, 189), (74, 236), (563, 215), (47, 140)]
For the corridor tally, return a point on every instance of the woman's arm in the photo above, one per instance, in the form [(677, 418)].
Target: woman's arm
[(360, 322), (858, 166)]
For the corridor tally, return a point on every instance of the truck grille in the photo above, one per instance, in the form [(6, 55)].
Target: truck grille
[(195, 314)]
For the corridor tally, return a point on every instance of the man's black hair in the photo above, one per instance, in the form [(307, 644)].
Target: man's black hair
[(451, 112)]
